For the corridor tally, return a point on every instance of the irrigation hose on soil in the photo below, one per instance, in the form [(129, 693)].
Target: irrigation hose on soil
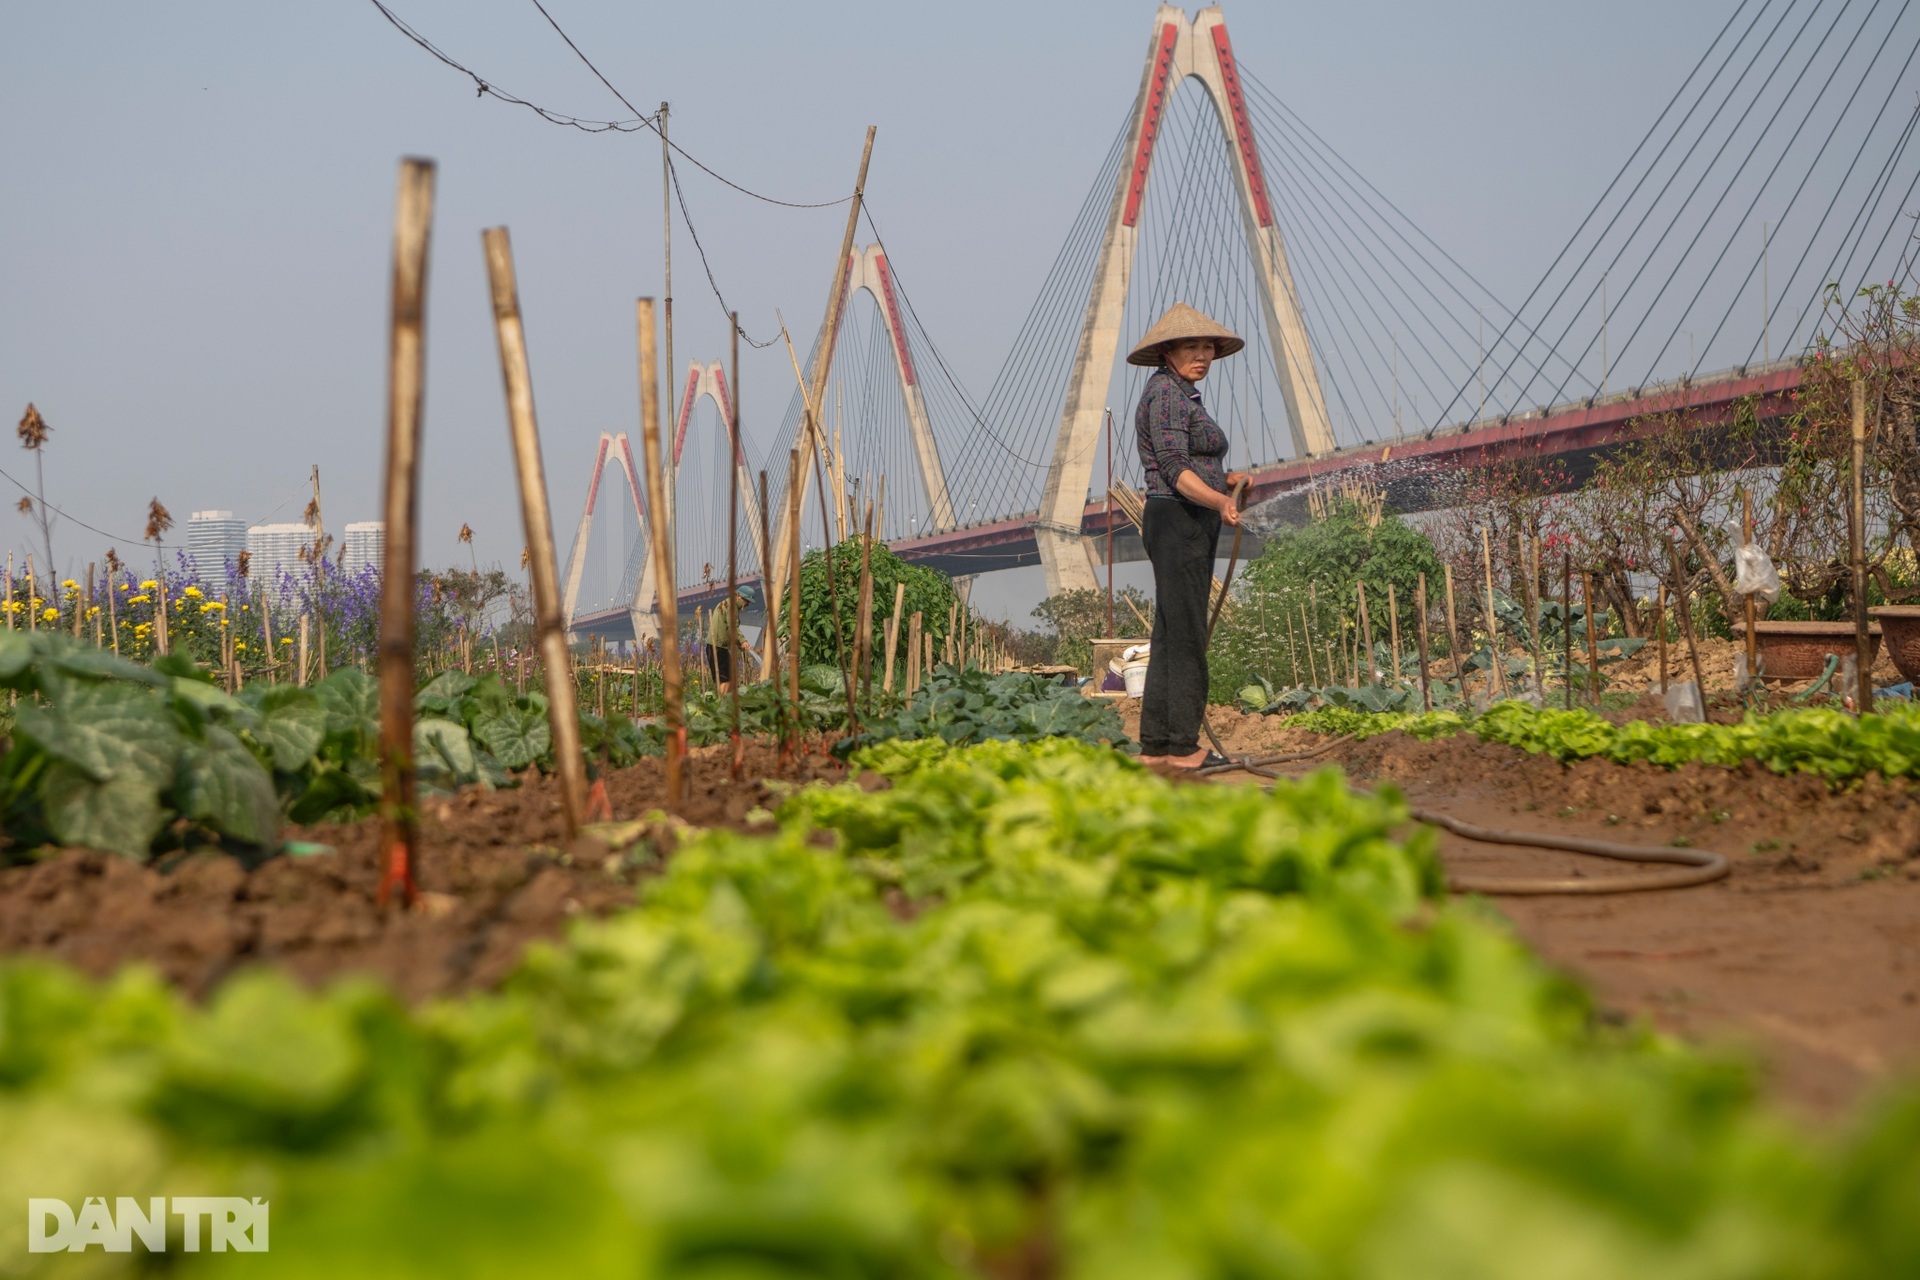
[(1696, 866)]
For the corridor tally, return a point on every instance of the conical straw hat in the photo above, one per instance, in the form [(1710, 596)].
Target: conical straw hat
[(1180, 323)]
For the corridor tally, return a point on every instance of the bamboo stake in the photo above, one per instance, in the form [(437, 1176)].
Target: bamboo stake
[(734, 456), (33, 594), (1660, 629), (1420, 616), (770, 599), (953, 615), (86, 603), (550, 633), (829, 334), (1857, 546), (1753, 639), (1533, 609), (914, 629), (302, 674), (1365, 635), (1393, 621), (10, 596), (1566, 622), (1293, 652), (893, 632), (1453, 635), (1593, 646), (1493, 619), (863, 615), (794, 497), (673, 709), (406, 395), (1306, 641)]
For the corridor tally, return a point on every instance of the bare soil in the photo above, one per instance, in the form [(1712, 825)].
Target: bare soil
[(1806, 956), (494, 869)]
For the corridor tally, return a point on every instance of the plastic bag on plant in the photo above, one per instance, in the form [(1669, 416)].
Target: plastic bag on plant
[(1684, 705), (1753, 573)]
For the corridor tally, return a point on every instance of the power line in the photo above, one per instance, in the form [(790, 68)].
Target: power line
[(487, 89)]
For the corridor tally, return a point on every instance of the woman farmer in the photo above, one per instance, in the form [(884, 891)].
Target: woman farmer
[(1183, 452)]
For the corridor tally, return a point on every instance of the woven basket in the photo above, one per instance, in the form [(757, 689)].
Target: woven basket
[(1798, 650)]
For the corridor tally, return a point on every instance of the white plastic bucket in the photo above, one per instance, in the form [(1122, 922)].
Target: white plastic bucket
[(1135, 675)]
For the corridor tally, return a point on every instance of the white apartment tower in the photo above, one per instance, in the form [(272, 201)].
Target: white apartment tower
[(215, 540)]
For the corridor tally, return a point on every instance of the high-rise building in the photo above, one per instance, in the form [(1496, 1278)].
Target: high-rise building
[(215, 540), (363, 544), (274, 549)]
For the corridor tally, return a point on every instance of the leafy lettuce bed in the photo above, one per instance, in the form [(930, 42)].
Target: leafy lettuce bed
[(1837, 746), (1031, 1011)]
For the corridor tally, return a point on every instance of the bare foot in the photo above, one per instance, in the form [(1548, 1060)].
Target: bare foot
[(1191, 761), (1143, 759)]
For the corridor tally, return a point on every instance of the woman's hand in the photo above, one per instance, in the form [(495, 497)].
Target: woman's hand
[(1229, 510)]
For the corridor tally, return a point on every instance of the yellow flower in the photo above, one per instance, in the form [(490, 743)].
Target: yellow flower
[(93, 611), (50, 615), (284, 640), (150, 585), (142, 598), (71, 585), (206, 608), (238, 647), (191, 593)]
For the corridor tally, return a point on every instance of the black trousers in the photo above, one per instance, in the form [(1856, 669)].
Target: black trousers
[(720, 662), (1182, 540)]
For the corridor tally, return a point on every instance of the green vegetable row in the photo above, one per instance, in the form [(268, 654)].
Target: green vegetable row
[(1830, 743), (1027, 1011)]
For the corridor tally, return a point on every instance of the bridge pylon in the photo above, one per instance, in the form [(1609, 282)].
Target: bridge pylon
[(1180, 48), (615, 449)]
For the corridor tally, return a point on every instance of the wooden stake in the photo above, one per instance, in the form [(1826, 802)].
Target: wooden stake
[(770, 597), (301, 675), (86, 603), (1753, 638), (915, 626), (1493, 620), (1857, 546), (1532, 565), (1593, 645), (1453, 635), (1365, 635), (1566, 623), (550, 634), (893, 632), (1420, 617), (1393, 621), (406, 395), (795, 485), (10, 599), (863, 615), (1306, 642), (735, 459), (673, 714), (33, 601), (1660, 629), (1293, 652)]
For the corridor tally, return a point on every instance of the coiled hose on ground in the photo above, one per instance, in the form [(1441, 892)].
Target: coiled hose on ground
[(1694, 866)]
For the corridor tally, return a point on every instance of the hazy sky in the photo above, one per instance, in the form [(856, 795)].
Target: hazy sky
[(194, 242)]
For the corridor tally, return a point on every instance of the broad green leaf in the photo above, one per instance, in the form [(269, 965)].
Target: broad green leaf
[(516, 737), (224, 787), (211, 701), (351, 699), (70, 657), (292, 726), (443, 752), (16, 657), (105, 730), (442, 693), (119, 815)]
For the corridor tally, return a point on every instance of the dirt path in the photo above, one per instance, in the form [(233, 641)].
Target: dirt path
[(1808, 954)]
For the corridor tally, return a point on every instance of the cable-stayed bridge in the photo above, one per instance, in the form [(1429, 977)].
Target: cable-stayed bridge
[(1784, 163)]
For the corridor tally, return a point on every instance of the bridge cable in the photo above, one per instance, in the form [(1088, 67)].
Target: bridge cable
[(1699, 140), (1625, 168)]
